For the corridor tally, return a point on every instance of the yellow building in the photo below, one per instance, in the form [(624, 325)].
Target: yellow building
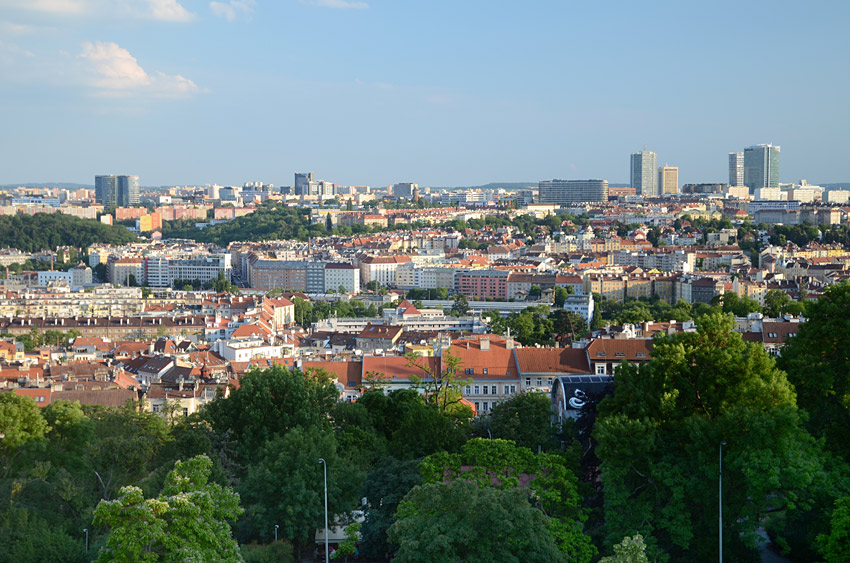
[(668, 179)]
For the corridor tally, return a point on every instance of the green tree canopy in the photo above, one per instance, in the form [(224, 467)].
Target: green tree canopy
[(464, 521), (187, 522), (658, 440), (525, 418), (272, 401), (818, 364), (545, 478), (835, 546)]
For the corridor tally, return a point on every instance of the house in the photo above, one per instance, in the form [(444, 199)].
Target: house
[(378, 337), (540, 367), (604, 354), (488, 363)]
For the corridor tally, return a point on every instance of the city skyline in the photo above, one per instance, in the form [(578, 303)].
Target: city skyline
[(223, 96)]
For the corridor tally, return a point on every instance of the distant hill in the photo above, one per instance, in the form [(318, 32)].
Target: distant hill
[(837, 186), (59, 185), (511, 186)]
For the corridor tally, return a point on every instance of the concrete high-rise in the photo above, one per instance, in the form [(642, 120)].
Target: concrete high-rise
[(761, 167), (736, 169), (644, 178), (564, 192), (302, 183), (668, 179), (106, 190), (127, 191), (406, 190)]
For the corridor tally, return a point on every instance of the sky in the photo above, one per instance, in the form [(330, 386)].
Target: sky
[(443, 93)]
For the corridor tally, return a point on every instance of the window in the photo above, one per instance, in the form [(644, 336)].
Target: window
[(493, 390), (601, 354), (470, 371), (641, 354), (477, 407), (155, 408), (485, 371), (485, 389), (600, 369), (476, 389), (539, 381), (528, 382), (484, 406), (466, 390), (185, 411)]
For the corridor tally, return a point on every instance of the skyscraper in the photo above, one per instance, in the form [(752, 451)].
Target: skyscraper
[(736, 169), (573, 191), (668, 179), (761, 167), (302, 183), (128, 191), (644, 177), (106, 190)]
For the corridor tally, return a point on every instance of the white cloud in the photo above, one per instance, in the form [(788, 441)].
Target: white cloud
[(113, 71), (341, 4), (61, 7), (170, 11), (162, 10), (231, 10)]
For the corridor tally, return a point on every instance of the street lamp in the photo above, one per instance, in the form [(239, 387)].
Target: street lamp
[(325, 467), (720, 500), (86, 531), (275, 532)]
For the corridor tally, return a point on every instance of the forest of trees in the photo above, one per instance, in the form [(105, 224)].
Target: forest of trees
[(31, 233)]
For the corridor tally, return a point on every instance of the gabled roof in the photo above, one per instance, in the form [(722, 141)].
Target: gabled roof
[(347, 373), (396, 368), (552, 360), (616, 350), (250, 330), (380, 331)]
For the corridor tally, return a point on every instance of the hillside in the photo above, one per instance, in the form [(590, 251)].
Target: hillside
[(42, 231)]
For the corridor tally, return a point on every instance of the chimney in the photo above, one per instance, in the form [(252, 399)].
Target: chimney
[(485, 344)]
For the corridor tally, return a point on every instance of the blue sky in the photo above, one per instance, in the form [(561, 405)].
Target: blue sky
[(442, 93)]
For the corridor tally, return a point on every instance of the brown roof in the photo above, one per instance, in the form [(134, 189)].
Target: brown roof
[(633, 349), (552, 360), (380, 331), (347, 373)]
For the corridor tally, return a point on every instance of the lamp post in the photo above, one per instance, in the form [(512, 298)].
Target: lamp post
[(720, 501), (275, 532), (325, 467), (86, 531)]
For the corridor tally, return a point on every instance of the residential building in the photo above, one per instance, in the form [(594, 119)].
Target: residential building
[(564, 192), (406, 190), (580, 305), (342, 275)]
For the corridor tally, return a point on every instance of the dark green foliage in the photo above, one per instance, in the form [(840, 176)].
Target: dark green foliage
[(386, 485), (272, 401), (658, 440), (31, 233), (525, 418), (463, 521), (276, 552), (818, 364)]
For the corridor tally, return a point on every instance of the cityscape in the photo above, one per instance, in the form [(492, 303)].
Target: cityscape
[(358, 300)]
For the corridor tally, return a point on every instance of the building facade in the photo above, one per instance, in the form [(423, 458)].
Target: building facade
[(564, 192), (736, 169), (668, 179), (761, 167), (643, 173)]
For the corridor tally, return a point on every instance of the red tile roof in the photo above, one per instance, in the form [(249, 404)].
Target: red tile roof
[(552, 360)]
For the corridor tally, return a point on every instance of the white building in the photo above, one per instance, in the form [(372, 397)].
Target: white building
[(581, 305), (341, 274)]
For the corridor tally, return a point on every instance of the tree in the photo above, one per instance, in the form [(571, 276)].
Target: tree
[(835, 547), (658, 440), (525, 418), (818, 364), (545, 480), (285, 486), (630, 550), (386, 485), (775, 302), (273, 401), (443, 388), (348, 546), (464, 521), (20, 423), (187, 522), (561, 295), (535, 291), (461, 305)]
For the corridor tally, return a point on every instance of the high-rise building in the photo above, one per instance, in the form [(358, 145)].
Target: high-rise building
[(302, 183), (564, 192), (736, 169), (761, 167), (644, 177), (106, 190), (128, 191), (405, 189), (668, 179)]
